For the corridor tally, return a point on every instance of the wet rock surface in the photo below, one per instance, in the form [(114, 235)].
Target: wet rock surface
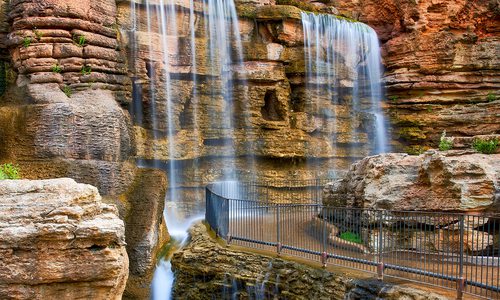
[(205, 270), (59, 241), (145, 229)]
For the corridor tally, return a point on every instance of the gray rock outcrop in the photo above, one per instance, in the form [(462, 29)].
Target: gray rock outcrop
[(433, 181)]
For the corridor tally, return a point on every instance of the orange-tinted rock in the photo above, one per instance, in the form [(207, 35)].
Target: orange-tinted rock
[(442, 64)]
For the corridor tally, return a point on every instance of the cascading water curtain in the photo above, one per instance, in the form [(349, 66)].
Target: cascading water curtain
[(211, 39), (160, 40), (225, 56), (343, 66)]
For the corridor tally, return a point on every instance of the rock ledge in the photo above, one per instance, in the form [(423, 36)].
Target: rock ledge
[(59, 241)]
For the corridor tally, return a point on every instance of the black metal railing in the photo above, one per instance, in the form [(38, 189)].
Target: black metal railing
[(449, 250)]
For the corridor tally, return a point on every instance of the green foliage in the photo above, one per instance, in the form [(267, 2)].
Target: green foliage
[(67, 91), (351, 237), (415, 149), (56, 69), (300, 4), (86, 70), (393, 98), (26, 42), (79, 40), (444, 143), (485, 146), (9, 171), (491, 97), (38, 33)]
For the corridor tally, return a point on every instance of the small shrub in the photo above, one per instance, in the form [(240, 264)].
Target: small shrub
[(415, 149), (444, 143), (351, 237), (56, 69), (300, 4), (485, 146), (86, 70), (393, 98), (491, 97), (79, 40), (38, 33), (9, 171), (26, 42), (67, 91)]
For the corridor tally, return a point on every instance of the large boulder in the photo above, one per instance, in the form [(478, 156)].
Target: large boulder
[(433, 181), (59, 241)]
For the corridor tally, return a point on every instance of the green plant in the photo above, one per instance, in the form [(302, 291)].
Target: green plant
[(26, 41), (351, 237), (485, 146), (80, 40), (491, 97), (38, 33), (9, 171), (415, 149), (67, 91), (300, 4), (56, 69), (445, 144), (393, 98), (86, 70)]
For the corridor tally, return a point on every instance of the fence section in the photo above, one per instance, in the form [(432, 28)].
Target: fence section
[(449, 250)]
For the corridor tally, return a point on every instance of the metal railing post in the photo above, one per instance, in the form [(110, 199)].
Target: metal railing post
[(278, 237), (461, 278), (324, 253), (380, 266)]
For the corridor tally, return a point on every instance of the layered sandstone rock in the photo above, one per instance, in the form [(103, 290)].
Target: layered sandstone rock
[(433, 181), (59, 241), (204, 269), (61, 114), (442, 64)]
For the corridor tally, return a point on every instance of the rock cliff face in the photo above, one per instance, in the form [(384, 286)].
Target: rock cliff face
[(433, 181), (60, 115), (442, 64), (204, 270), (59, 241)]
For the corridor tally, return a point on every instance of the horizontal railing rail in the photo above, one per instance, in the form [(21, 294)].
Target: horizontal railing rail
[(449, 250)]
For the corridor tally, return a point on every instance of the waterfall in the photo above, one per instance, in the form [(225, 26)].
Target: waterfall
[(343, 64), (160, 55)]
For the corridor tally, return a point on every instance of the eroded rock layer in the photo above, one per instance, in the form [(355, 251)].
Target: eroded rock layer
[(60, 111), (59, 241), (442, 64)]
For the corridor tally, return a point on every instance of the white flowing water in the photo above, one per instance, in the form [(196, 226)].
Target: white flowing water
[(341, 54), (223, 55)]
